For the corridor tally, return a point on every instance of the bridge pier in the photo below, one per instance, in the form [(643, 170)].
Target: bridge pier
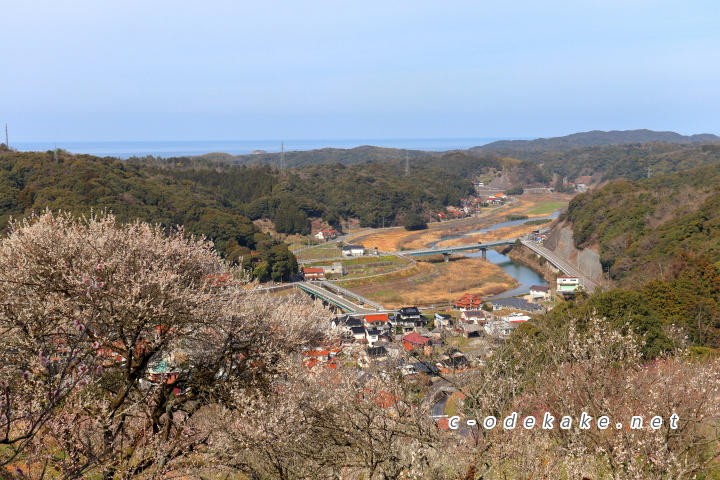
[(446, 257), (484, 253)]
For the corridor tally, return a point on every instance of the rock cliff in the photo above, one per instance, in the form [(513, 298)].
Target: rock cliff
[(560, 241)]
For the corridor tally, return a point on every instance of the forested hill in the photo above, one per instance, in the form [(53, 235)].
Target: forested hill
[(33, 181), (217, 200), (594, 138), (375, 193), (631, 161), (344, 156), (641, 226), (602, 155)]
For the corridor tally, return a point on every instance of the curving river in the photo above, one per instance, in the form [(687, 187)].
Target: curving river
[(526, 277)]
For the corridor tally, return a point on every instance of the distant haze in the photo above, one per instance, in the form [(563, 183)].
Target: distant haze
[(181, 70)]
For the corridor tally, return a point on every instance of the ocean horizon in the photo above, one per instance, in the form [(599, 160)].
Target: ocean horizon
[(181, 148)]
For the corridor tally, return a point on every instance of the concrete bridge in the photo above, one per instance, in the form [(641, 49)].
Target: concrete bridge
[(339, 298), (447, 251)]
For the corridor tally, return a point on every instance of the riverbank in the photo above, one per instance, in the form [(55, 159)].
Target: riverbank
[(534, 262)]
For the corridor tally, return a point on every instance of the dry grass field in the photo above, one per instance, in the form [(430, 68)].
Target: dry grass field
[(433, 283), (393, 240)]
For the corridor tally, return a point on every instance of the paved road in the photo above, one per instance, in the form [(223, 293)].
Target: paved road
[(338, 300), (562, 264), (457, 248)]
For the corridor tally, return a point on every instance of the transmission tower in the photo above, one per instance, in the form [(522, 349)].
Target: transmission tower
[(282, 155), (407, 163)]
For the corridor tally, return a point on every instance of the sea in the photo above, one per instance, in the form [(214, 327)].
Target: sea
[(167, 149)]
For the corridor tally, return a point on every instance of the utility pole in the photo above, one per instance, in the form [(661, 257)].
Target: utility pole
[(55, 154), (407, 163), (7, 142)]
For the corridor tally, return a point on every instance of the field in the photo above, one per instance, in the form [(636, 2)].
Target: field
[(437, 283), (387, 281), (392, 240)]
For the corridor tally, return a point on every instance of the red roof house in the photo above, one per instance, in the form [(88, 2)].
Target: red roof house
[(313, 273), (468, 302), (413, 341)]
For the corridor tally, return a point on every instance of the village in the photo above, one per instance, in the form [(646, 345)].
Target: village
[(435, 340)]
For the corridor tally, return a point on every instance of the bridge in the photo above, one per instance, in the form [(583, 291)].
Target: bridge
[(447, 251), (338, 297), (560, 263)]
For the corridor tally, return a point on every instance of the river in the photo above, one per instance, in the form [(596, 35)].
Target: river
[(526, 277)]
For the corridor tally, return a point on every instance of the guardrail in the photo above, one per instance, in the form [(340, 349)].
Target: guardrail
[(332, 287)]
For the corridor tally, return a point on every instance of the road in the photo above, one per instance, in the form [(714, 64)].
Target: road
[(339, 300), (562, 264)]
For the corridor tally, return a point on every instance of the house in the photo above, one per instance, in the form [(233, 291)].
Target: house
[(313, 273), (320, 357), (442, 320), (468, 302), (419, 367), (568, 284), (334, 269), (379, 320), (345, 323), (413, 341), (453, 361), (372, 335), (500, 328), (475, 317), (358, 333), (377, 352), (408, 318), (538, 292), (471, 330), (326, 235), (353, 251)]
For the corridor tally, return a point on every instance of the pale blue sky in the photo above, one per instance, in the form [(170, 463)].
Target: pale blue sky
[(239, 70)]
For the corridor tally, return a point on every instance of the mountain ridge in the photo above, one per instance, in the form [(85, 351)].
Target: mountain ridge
[(596, 138)]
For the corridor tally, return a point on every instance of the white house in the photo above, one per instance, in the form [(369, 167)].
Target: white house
[(538, 292), (353, 251)]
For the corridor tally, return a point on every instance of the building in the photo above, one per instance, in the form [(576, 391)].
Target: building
[(442, 320), (413, 341), (468, 302), (353, 251), (379, 320), (408, 318), (538, 292), (313, 273), (334, 269), (326, 235), (568, 284)]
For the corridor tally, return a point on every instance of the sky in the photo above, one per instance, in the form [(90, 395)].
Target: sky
[(241, 70)]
